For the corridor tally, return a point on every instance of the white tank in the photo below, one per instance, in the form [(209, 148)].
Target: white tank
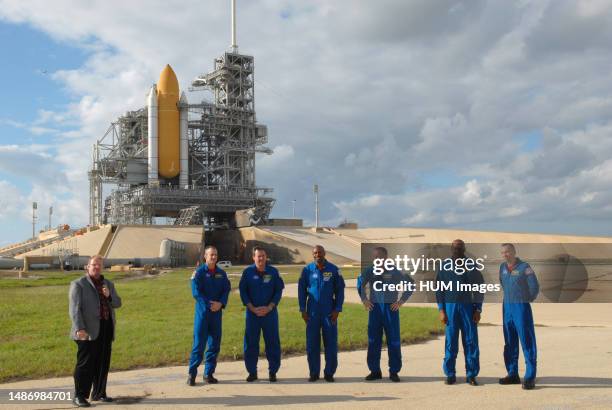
[(153, 154), (184, 148)]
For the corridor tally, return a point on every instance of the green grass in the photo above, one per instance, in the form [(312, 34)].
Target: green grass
[(10, 279), (51, 278), (155, 325)]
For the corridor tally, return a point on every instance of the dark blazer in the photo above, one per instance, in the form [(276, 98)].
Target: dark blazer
[(84, 306)]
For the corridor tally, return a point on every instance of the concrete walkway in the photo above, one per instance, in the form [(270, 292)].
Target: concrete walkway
[(575, 371)]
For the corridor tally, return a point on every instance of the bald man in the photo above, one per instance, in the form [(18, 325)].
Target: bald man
[(460, 312), (321, 295), (521, 287)]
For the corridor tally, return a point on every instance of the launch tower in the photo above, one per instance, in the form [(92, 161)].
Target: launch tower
[(193, 162)]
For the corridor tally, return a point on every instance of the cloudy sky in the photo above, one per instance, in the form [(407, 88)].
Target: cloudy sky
[(476, 114)]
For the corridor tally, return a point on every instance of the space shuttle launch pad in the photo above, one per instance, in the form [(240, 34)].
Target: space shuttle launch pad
[(190, 161)]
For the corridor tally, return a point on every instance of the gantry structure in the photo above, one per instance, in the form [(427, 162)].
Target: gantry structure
[(223, 139)]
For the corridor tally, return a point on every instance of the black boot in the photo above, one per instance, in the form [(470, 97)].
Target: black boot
[(472, 381), (210, 379), (374, 376), (191, 380), (80, 402), (394, 377), (529, 384), (103, 399), (510, 380), (329, 378), (313, 378), (450, 380), (252, 377)]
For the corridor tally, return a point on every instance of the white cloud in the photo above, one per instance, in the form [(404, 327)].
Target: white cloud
[(10, 200), (33, 129), (36, 163), (472, 193), (280, 156), (367, 99)]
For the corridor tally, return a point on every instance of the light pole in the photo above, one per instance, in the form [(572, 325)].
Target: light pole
[(50, 213), (34, 207), (293, 208), (316, 193)]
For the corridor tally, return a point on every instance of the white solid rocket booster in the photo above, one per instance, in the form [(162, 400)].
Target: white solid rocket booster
[(152, 136), (184, 176)]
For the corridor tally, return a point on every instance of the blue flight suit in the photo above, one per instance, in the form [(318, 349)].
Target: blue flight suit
[(460, 307), (321, 291), (381, 317), (520, 287), (207, 287), (261, 289)]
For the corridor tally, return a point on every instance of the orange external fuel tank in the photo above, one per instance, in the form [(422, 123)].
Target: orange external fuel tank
[(168, 123)]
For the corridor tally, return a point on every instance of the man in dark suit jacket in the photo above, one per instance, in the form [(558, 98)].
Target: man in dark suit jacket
[(93, 300)]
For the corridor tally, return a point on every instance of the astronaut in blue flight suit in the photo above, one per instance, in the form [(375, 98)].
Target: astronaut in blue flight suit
[(261, 288), (521, 287), (460, 312), (383, 306), (210, 288), (320, 296)]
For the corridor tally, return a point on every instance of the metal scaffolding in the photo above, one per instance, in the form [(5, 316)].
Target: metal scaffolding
[(120, 158), (223, 138)]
